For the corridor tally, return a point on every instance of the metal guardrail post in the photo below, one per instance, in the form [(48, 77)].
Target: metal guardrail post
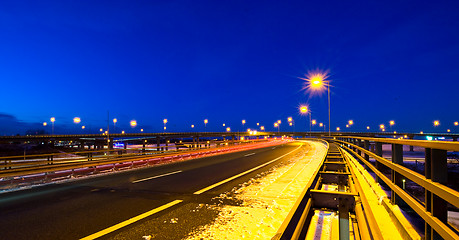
[(428, 194), (366, 145), (397, 179), (438, 174), (379, 152)]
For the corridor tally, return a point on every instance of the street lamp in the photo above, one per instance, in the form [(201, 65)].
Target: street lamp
[(391, 123), (262, 128), (243, 122), (205, 124), (114, 123), (317, 82), (277, 125), (305, 110), (133, 123), (52, 121), (44, 124), (228, 129), (76, 120), (165, 121)]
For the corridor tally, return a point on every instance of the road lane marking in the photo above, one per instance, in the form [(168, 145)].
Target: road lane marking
[(243, 173), (250, 154), (162, 175), (131, 220)]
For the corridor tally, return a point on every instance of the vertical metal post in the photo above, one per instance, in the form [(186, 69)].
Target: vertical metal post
[(397, 179), (439, 171), (366, 145), (158, 143), (428, 194), (411, 147), (343, 212)]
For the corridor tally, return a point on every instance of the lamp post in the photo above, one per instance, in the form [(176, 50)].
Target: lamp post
[(305, 110), (52, 121), (114, 123), (317, 82), (205, 124), (165, 121)]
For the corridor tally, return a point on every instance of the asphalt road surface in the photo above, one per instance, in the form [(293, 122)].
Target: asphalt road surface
[(157, 201)]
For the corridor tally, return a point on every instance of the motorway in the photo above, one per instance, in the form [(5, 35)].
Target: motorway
[(131, 204)]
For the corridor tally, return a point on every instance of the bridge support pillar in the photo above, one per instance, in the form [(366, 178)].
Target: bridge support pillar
[(167, 144), (435, 169), (158, 143), (397, 179), (110, 144)]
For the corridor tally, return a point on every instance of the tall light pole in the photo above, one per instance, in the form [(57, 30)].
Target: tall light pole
[(114, 123), (317, 82), (205, 124), (52, 121), (305, 110), (165, 121)]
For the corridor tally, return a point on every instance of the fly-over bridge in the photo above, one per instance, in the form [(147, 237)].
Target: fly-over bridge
[(344, 199)]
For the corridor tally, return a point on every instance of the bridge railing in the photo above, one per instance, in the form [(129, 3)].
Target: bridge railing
[(11, 166), (437, 195)]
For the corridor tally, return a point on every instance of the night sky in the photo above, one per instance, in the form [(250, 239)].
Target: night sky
[(226, 61)]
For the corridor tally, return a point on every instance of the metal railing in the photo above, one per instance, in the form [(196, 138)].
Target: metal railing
[(11, 166), (437, 195)]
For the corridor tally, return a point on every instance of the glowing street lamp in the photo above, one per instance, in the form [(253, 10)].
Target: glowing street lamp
[(337, 129), (224, 124), (277, 125), (456, 123), (436, 123), (351, 122), (192, 125), (76, 120), (228, 129), (368, 127), (114, 123), (133, 123), (258, 124), (83, 127), (243, 122), (164, 121), (44, 124), (205, 123), (305, 110), (289, 119), (101, 130), (52, 121), (317, 82), (262, 128)]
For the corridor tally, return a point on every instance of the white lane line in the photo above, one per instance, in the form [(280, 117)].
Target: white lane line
[(241, 174), (131, 220), (162, 175), (273, 148), (250, 154)]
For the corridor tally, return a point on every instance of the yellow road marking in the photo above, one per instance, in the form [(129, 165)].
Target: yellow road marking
[(131, 220), (241, 174)]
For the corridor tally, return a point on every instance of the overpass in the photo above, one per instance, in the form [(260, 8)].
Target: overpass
[(354, 168)]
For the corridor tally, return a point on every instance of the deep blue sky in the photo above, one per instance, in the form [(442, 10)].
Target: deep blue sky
[(227, 61)]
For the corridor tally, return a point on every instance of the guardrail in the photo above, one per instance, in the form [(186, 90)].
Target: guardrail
[(437, 195), (11, 168), (294, 223)]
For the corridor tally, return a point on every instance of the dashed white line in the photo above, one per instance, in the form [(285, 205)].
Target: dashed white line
[(250, 154), (162, 175)]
